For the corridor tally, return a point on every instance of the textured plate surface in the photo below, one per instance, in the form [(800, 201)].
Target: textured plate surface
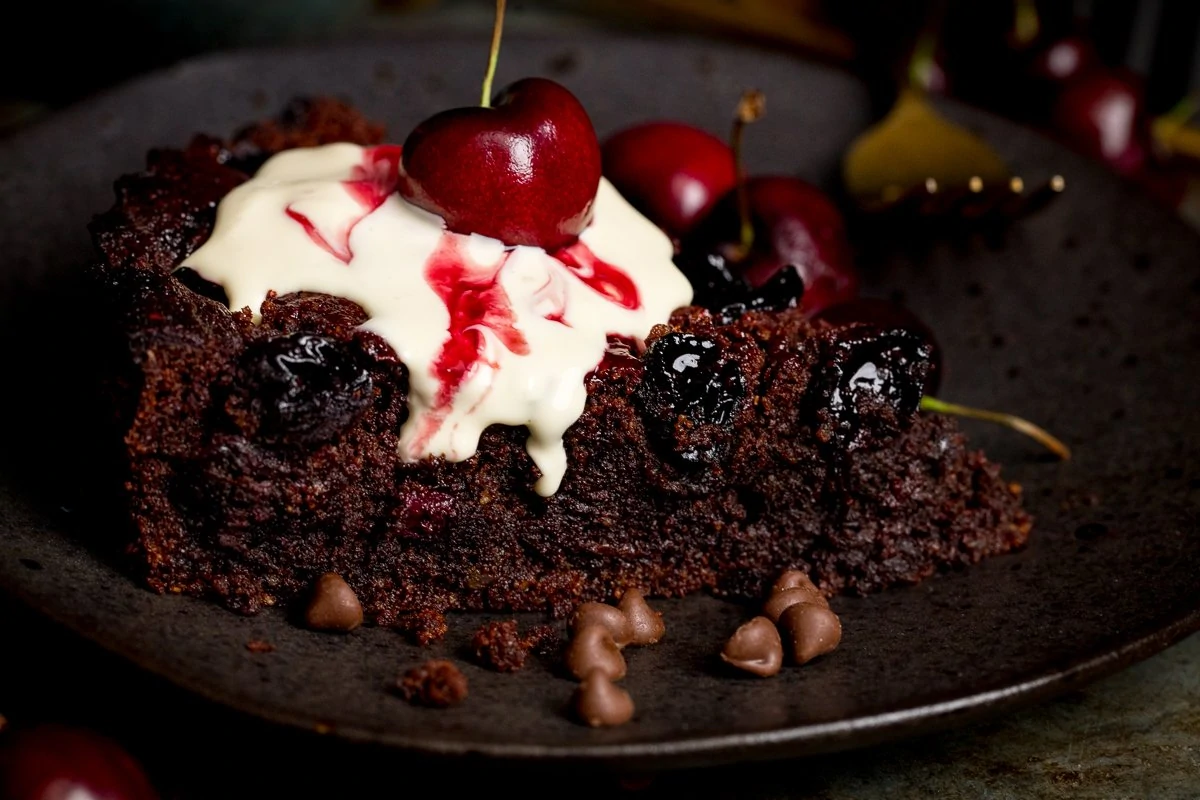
[(1084, 320)]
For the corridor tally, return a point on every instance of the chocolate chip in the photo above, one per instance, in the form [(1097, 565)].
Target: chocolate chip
[(592, 649), (755, 647), (334, 606), (437, 683), (610, 617), (599, 702), (780, 601), (792, 579), (648, 627), (259, 646), (795, 579), (812, 630), (499, 646)]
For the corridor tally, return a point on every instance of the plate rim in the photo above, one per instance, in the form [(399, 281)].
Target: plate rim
[(705, 749)]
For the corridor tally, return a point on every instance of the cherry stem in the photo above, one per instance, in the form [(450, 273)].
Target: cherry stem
[(493, 56), (1024, 426), (750, 109), (1027, 24), (1183, 111), (922, 61)]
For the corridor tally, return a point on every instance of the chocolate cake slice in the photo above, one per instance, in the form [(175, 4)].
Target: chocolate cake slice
[(261, 453)]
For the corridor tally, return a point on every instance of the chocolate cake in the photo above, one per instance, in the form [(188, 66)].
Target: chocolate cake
[(261, 452)]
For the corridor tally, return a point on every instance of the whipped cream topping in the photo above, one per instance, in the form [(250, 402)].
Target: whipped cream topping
[(489, 333)]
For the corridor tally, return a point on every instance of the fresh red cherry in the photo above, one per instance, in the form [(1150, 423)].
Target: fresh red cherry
[(884, 314), (795, 225), (524, 171), (55, 762), (1065, 59), (671, 172), (1061, 62), (1102, 114)]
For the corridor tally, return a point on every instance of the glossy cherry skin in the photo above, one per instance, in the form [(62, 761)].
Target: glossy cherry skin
[(1065, 59), (887, 315), (671, 172), (524, 171), (795, 226), (56, 762), (1102, 115)]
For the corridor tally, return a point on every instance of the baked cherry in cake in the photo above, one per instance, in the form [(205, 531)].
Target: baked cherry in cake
[(884, 314)]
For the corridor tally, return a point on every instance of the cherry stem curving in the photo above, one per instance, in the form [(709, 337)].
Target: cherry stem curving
[(1185, 110), (1024, 426), (1027, 23), (922, 61), (750, 109), (494, 55)]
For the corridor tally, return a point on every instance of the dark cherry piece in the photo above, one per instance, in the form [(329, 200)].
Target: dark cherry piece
[(671, 172), (796, 226), (885, 314), (866, 371), (781, 292), (306, 388), (1103, 116), (687, 381), (56, 762), (524, 171)]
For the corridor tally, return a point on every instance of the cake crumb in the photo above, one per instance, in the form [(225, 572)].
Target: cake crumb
[(542, 640), (437, 683), (424, 627), (499, 646), (259, 646)]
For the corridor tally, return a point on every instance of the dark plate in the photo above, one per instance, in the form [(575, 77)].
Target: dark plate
[(1083, 320)]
